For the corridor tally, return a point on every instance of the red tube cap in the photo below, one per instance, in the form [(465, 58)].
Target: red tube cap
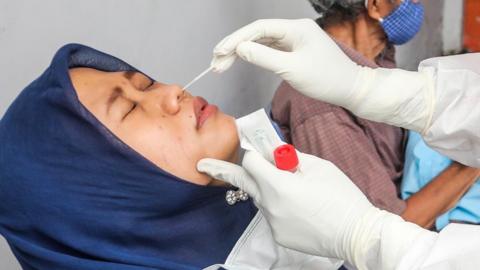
[(286, 157)]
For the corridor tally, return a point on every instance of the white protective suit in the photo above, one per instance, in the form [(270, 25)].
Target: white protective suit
[(440, 101), (257, 250), (455, 126), (454, 130), (447, 88)]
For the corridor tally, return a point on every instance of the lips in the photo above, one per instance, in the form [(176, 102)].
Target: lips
[(203, 110)]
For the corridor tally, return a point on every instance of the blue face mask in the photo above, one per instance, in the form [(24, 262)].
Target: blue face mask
[(404, 22)]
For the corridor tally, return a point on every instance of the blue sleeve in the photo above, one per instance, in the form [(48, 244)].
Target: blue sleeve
[(422, 164)]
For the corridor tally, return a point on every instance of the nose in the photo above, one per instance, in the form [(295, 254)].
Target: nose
[(169, 97)]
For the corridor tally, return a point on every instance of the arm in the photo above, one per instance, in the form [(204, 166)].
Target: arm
[(440, 195), (440, 101), (321, 212), (349, 229)]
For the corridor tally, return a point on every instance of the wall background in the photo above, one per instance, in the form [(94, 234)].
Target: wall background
[(452, 31), (170, 40)]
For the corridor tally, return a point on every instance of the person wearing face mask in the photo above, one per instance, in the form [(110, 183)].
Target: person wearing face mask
[(371, 154), (319, 210), (403, 23)]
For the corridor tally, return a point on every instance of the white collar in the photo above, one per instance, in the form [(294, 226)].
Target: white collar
[(256, 249)]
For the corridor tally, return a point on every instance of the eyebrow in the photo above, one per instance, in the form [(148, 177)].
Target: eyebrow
[(129, 74), (116, 92)]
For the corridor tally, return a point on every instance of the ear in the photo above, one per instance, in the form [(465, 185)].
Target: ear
[(381, 8), (373, 9)]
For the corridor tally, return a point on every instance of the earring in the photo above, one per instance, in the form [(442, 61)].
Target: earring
[(232, 197)]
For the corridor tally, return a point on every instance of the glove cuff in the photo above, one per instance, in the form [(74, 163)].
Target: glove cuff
[(380, 240), (393, 96)]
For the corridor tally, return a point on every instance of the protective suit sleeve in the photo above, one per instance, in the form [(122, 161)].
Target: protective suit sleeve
[(440, 102), (455, 127), (456, 247)]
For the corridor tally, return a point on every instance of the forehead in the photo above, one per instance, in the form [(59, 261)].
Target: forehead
[(92, 77)]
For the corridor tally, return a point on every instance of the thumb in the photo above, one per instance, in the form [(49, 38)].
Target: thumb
[(263, 56), (262, 170), (230, 173)]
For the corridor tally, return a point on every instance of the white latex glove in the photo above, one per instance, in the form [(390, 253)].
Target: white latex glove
[(310, 61), (319, 211), (297, 50)]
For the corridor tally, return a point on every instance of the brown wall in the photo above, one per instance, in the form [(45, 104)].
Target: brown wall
[(471, 25)]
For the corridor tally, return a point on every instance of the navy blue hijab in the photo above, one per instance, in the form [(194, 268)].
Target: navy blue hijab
[(73, 196)]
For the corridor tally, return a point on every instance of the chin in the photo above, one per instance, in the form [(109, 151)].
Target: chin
[(230, 148), (217, 183), (201, 179), (222, 139), (205, 180)]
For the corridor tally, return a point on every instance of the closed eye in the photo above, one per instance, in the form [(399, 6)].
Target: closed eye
[(152, 82), (149, 86), (131, 110)]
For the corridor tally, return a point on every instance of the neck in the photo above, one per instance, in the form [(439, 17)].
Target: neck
[(365, 35)]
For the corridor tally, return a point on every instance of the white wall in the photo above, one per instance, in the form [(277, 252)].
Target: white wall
[(7, 260), (453, 26), (170, 40)]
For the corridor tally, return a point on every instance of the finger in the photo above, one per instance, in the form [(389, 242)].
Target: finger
[(222, 63), (272, 29), (219, 49), (230, 173), (262, 171), (263, 56), (308, 161)]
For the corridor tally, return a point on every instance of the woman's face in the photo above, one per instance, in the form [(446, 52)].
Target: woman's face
[(162, 122)]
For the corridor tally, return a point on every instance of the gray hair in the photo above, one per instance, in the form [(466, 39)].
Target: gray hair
[(322, 6), (337, 11)]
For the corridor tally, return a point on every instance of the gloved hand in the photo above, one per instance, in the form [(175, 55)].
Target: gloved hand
[(312, 63), (297, 50), (319, 211)]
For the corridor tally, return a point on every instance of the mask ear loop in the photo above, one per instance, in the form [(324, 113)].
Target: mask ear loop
[(380, 19), (366, 7)]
